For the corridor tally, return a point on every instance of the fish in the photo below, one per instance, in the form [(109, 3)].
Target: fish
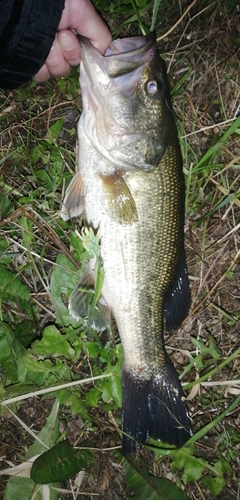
[(130, 184)]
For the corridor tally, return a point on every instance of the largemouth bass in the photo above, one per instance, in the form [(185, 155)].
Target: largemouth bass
[(130, 185)]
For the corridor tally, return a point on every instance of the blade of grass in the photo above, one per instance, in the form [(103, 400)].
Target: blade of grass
[(216, 148), (213, 371), (202, 432), (54, 388), (156, 4), (133, 18)]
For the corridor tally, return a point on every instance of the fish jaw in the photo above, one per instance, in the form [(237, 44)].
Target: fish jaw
[(121, 58)]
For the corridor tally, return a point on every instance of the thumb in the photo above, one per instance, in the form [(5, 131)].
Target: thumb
[(69, 46)]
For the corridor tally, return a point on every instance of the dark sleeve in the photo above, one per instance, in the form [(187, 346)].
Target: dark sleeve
[(27, 31)]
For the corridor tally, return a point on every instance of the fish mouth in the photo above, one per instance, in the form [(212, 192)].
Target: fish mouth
[(121, 57)]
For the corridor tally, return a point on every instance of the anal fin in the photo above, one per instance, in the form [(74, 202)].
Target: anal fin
[(178, 299)]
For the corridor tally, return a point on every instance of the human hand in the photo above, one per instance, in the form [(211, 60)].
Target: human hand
[(80, 16)]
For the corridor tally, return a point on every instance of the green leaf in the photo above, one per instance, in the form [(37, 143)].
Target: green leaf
[(91, 242), (117, 390), (11, 352), (92, 396), (107, 391), (223, 467), (149, 487), (48, 435), (31, 369), (53, 343), (25, 489), (193, 466), (214, 484), (112, 390), (2, 390), (60, 463), (40, 371), (55, 129), (92, 349), (12, 289), (64, 279), (45, 178), (26, 332), (79, 252), (78, 406)]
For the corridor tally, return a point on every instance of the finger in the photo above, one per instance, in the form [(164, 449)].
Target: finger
[(84, 19), (56, 62), (42, 75), (69, 46)]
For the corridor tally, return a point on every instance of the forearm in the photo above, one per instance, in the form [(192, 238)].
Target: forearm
[(27, 31)]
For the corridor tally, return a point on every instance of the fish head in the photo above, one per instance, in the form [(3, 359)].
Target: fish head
[(127, 113)]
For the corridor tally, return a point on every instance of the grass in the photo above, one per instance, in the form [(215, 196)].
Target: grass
[(59, 379)]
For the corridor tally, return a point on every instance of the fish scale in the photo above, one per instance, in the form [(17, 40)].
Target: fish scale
[(130, 184), (148, 268)]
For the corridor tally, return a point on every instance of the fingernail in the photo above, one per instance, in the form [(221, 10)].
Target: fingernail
[(66, 41)]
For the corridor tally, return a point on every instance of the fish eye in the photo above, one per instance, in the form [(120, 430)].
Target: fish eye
[(152, 87)]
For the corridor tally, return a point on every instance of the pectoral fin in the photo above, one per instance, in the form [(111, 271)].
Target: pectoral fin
[(178, 299), (80, 304), (120, 203), (73, 204)]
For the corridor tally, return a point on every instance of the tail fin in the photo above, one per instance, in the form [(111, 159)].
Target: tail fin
[(154, 408)]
